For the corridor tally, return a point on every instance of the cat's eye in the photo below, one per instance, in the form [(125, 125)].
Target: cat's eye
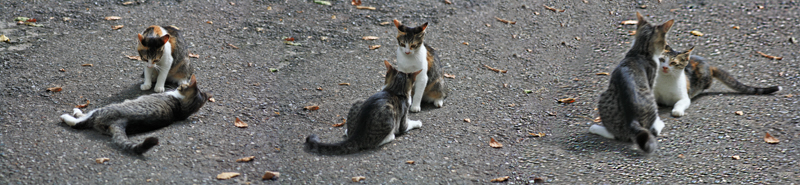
[(673, 63), (413, 46), (402, 45)]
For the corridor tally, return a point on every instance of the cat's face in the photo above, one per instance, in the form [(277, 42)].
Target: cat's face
[(151, 44), (409, 39), (673, 62), (394, 76), (657, 34), (193, 97)]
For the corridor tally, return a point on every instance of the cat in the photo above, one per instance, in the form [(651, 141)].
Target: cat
[(377, 120), (414, 55), (684, 76), (164, 51), (148, 111), (628, 108)]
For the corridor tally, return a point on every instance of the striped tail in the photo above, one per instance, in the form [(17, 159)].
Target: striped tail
[(345, 147), (734, 84)]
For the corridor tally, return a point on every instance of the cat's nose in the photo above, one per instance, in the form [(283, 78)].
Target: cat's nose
[(408, 52)]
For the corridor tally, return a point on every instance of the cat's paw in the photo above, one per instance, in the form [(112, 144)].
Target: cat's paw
[(601, 130), (438, 103), (159, 89), (415, 108), (69, 120), (145, 86), (678, 113), (412, 124), (657, 126), (76, 112)]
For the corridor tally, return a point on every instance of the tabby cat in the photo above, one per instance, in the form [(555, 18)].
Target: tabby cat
[(628, 108), (414, 55), (377, 120), (164, 51), (146, 112), (676, 83)]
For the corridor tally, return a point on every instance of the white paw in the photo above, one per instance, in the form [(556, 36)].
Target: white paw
[(145, 86), (438, 103), (69, 120), (601, 130), (159, 89), (76, 112), (412, 124), (657, 126), (415, 108), (678, 113)]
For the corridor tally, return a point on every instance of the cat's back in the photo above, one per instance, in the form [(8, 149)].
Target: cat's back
[(155, 106)]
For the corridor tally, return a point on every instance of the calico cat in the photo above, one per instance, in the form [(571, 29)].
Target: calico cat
[(148, 111), (414, 55), (676, 83), (164, 51), (377, 120), (628, 108)]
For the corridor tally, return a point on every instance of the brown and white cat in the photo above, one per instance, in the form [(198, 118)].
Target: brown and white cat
[(377, 120), (683, 76), (414, 55), (143, 113), (628, 108), (164, 51)]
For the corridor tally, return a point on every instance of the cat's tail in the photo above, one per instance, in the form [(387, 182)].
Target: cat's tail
[(734, 84), (629, 100), (345, 147), (644, 139)]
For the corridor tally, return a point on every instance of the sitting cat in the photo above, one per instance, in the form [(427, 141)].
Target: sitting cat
[(377, 120), (413, 55), (148, 111), (671, 83), (628, 108), (166, 56)]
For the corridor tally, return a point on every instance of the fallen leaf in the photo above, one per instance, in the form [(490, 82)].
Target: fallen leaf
[(495, 70), (632, 32), (83, 105), (358, 178), (134, 57), (553, 9), (629, 22), (537, 134), (212, 100), (232, 3), (374, 46), (246, 159), (512, 105), (370, 37), (735, 27), (681, 156), (566, 100), (127, 3), (449, 76), (311, 107), (465, 43), (355, 2), (54, 89), (227, 175), (602, 73), (348, 84), (292, 43), (62, 70), (117, 27), (769, 56), (192, 55), (760, 7), (467, 120), (3, 38), (409, 162), (289, 39), (578, 38), (239, 123), (90, 65), (792, 40), (597, 120), (209, 22), (101, 160), (495, 144), (270, 175), (535, 13), (696, 33), (500, 179), (526, 91), (340, 124), (736, 157), (319, 88), (385, 23), (232, 46), (739, 113), (365, 7), (788, 95), (113, 18), (447, 2), (322, 2), (21, 18), (333, 16), (771, 140), (538, 180), (505, 21), (273, 70)]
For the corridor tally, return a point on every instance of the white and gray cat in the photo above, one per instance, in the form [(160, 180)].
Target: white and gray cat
[(414, 55), (628, 108), (684, 76), (164, 51), (377, 120), (143, 113)]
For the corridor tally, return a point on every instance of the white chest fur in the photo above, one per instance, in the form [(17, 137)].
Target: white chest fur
[(409, 63), (670, 87)]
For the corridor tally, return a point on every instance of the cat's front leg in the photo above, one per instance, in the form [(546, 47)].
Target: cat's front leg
[(419, 90), (680, 107), (148, 82)]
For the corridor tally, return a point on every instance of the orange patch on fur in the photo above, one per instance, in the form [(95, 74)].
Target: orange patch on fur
[(157, 30), (430, 60)]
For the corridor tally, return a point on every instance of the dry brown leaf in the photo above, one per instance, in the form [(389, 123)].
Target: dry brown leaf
[(771, 140), (735, 27), (358, 178), (788, 95), (537, 134), (736, 157), (495, 144), (385, 23), (212, 100), (232, 46), (113, 18), (289, 39), (447, 2), (369, 37), (311, 107), (3, 38), (566, 100), (769, 56), (227, 175), (246, 159), (319, 88), (270, 175), (127, 3), (538, 180), (374, 46), (83, 105), (192, 55), (239, 123), (505, 21), (54, 89), (681, 156), (90, 65), (134, 57), (739, 113), (629, 22), (602, 73), (465, 43), (553, 9), (597, 120), (101, 160), (500, 179), (117, 27), (209, 22), (232, 3), (449, 76), (340, 124), (495, 70), (62, 70), (365, 7), (467, 120), (696, 33), (347, 84), (355, 2), (409, 162)]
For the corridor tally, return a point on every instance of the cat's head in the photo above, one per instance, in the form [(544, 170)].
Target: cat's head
[(673, 61), (409, 39), (193, 98), (398, 82), (151, 44), (654, 36)]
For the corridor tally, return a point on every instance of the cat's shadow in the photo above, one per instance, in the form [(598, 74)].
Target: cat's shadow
[(592, 144)]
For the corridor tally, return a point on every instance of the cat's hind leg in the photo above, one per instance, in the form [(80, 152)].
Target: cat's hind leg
[(657, 126), (601, 130), (120, 138), (78, 120)]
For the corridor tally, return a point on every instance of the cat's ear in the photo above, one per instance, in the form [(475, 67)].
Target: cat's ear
[(667, 48), (388, 65), (397, 23), (424, 26), (667, 25), (141, 38), (414, 75), (688, 52), (193, 82), (640, 20), (165, 39)]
